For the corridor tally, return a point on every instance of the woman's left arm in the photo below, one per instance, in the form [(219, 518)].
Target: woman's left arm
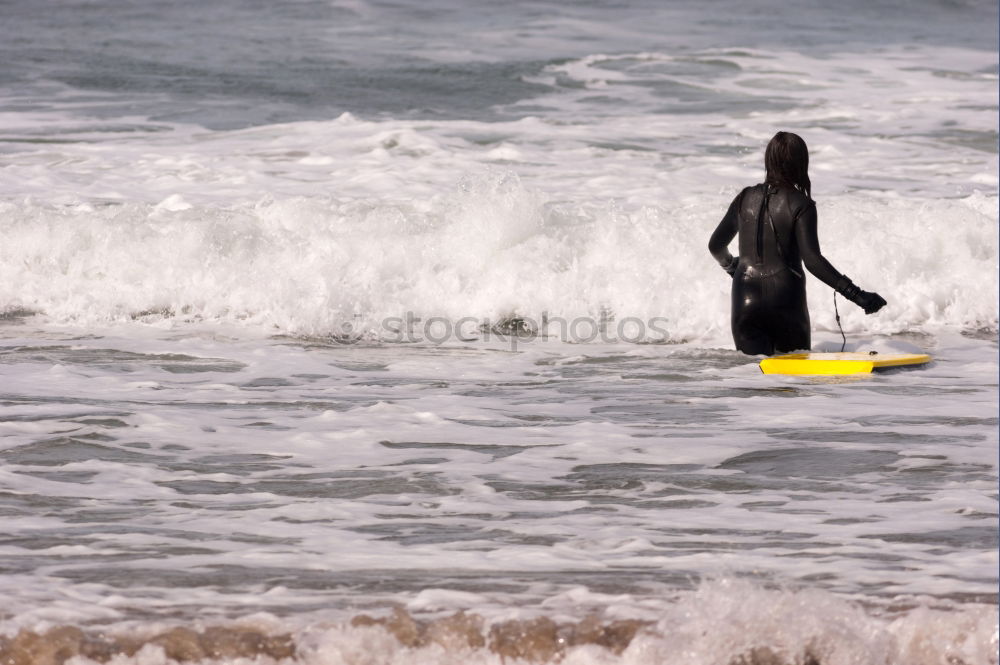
[(724, 233)]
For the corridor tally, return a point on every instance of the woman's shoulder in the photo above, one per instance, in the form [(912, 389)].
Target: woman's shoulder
[(757, 189), (798, 201)]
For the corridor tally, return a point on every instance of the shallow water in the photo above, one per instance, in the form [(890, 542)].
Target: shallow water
[(194, 476)]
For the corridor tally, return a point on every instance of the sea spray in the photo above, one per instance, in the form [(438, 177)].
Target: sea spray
[(493, 249)]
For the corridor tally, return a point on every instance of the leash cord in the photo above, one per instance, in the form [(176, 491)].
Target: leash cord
[(837, 314)]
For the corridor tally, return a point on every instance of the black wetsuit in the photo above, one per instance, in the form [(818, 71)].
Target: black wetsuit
[(769, 286)]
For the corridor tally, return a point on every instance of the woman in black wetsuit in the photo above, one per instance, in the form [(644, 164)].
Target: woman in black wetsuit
[(776, 222)]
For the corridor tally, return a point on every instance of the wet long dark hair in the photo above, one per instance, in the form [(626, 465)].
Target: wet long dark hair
[(786, 161)]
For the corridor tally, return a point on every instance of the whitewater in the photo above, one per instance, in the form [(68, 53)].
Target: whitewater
[(353, 332)]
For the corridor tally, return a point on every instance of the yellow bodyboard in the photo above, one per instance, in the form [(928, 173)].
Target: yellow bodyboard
[(838, 363)]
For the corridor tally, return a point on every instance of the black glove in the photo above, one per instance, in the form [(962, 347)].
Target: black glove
[(730, 266), (867, 300)]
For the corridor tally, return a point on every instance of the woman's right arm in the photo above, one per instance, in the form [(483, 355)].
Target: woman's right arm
[(816, 263), (808, 242)]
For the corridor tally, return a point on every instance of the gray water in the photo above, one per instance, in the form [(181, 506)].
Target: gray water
[(231, 64), (209, 437)]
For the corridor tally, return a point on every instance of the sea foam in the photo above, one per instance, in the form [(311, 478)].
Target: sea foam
[(722, 622), (492, 249)]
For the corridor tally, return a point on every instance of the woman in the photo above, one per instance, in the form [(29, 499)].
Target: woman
[(776, 222)]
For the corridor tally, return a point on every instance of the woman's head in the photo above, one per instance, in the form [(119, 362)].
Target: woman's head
[(786, 161)]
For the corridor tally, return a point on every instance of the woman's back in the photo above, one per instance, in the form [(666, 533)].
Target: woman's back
[(767, 232), (783, 237)]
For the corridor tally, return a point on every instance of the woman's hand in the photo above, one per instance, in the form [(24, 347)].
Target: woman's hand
[(869, 301), (730, 266)]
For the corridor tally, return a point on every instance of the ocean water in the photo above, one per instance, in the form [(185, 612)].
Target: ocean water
[(373, 332)]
